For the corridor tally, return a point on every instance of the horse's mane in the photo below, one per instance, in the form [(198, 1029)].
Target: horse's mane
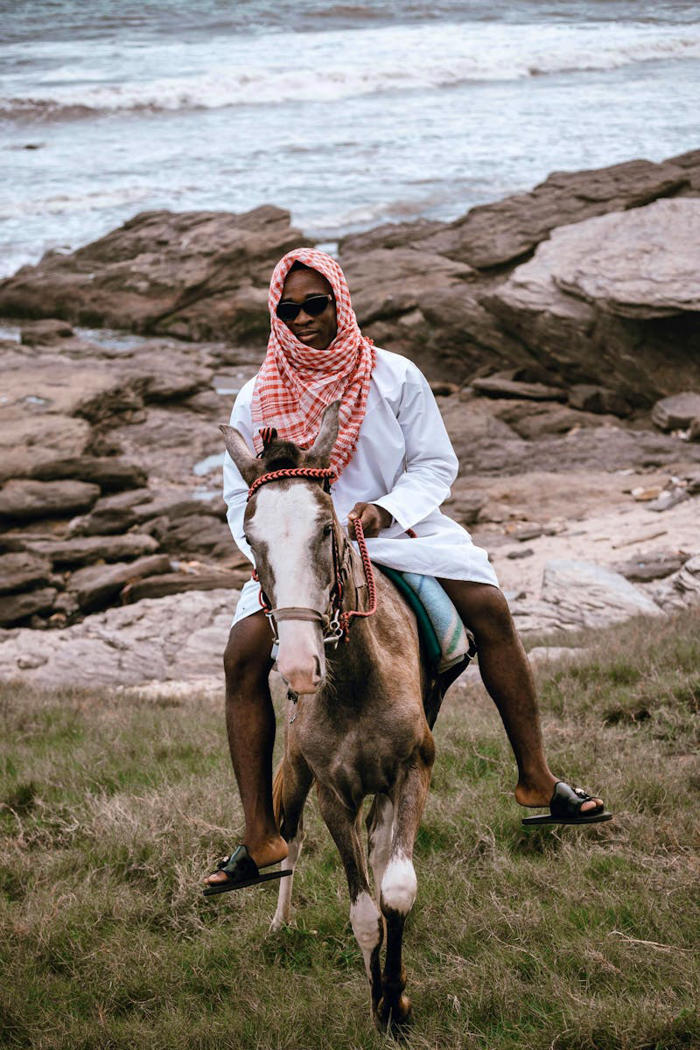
[(280, 455)]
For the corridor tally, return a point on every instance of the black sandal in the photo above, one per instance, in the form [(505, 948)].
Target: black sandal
[(242, 871), (565, 808)]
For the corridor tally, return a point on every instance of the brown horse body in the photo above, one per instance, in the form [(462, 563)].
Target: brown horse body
[(358, 725)]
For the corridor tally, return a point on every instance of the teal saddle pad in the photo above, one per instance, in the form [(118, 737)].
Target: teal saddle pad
[(445, 638)]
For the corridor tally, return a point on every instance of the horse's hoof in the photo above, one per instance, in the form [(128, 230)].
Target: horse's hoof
[(394, 1018)]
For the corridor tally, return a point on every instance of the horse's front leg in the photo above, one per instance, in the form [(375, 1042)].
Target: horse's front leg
[(365, 917), (398, 890), (291, 786)]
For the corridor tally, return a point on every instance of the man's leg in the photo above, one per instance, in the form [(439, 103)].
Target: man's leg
[(506, 673), (250, 723)]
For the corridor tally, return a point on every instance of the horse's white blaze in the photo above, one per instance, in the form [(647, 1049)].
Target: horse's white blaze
[(364, 918), (284, 897), (399, 884), (289, 522)]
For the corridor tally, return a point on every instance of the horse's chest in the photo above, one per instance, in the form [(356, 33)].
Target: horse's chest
[(357, 759)]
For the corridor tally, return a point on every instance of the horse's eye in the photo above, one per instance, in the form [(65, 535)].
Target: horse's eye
[(328, 528)]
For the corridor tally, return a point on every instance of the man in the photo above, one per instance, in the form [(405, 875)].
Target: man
[(395, 464)]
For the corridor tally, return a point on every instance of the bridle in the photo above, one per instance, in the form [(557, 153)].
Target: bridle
[(335, 622)]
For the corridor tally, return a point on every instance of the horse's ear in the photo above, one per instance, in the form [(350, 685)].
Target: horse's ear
[(320, 452), (249, 466)]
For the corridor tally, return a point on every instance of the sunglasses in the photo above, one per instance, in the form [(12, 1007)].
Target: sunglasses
[(314, 305)]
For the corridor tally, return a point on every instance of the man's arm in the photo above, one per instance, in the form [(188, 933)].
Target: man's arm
[(431, 464), (235, 488)]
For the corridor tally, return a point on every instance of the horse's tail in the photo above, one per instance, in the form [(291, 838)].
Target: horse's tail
[(277, 792)]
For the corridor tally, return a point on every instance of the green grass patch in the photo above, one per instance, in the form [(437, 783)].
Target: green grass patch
[(112, 808)]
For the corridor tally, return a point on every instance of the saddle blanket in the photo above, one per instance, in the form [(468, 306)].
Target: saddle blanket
[(446, 639)]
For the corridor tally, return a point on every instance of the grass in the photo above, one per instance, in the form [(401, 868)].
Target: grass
[(113, 807)]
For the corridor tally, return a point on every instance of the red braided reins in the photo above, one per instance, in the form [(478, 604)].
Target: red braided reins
[(326, 474)]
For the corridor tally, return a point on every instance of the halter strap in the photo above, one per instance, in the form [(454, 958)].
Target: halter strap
[(336, 624)]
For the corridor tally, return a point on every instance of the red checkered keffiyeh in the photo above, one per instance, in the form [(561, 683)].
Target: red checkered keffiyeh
[(296, 383)]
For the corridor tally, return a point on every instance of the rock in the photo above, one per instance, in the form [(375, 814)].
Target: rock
[(669, 498), (692, 481), (22, 500), (494, 386), (640, 264), (582, 339), (197, 534), (110, 473), (176, 582), (22, 570), (96, 585), (42, 333), (24, 446), (694, 430), (645, 567), (586, 595), (126, 509), (48, 385), (444, 389), (645, 493), (181, 637), (17, 607), (493, 234), (676, 412), (533, 419), (547, 654), (525, 552), (88, 549), (590, 398), (687, 581), (195, 275)]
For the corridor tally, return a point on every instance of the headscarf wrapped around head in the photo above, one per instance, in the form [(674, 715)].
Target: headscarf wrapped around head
[(296, 382)]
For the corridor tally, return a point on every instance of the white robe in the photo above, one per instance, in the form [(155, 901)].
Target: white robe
[(404, 462)]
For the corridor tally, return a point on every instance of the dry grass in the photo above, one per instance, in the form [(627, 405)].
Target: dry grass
[(113, 808)]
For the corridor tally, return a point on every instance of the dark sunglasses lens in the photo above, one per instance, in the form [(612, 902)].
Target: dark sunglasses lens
[(313, 306), (288, 311), (316, 304)]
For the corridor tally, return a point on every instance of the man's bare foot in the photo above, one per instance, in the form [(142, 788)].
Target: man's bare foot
[(268, 851), (534, 796)]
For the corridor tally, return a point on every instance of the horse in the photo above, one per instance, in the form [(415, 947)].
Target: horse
[(358, 718)]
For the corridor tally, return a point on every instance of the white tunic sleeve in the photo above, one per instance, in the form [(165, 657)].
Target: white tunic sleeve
[(235, 488), (430, 465)]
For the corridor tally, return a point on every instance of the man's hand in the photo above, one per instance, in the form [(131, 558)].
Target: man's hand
[(372, 518)]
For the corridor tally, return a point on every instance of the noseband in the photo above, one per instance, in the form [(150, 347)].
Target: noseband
[(336, 622)]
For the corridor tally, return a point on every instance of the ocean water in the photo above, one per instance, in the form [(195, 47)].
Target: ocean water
[(346, 114)]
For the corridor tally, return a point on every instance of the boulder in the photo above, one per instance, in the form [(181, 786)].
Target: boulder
[(655, 566), (176, 582), (676, 412), (109, 472), (25, 500), (598, 331), (493, 234), (586, 397), (496, 386), (97, 585), (531, 420), (640, 264), (195, 275), (22, 570), (85, 550), (26, 443), (586, 595), (17, 607)]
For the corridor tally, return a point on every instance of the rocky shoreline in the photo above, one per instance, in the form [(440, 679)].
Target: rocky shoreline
[(560, 330)]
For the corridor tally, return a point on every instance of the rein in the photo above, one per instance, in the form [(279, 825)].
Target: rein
[(336, 623)]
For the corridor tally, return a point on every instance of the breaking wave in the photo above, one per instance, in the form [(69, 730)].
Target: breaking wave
[(331, 66)]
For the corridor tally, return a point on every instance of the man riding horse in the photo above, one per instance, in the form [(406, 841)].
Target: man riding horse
[(394, 466)]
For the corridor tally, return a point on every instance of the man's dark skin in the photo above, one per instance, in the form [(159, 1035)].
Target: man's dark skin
[(250, 717)]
